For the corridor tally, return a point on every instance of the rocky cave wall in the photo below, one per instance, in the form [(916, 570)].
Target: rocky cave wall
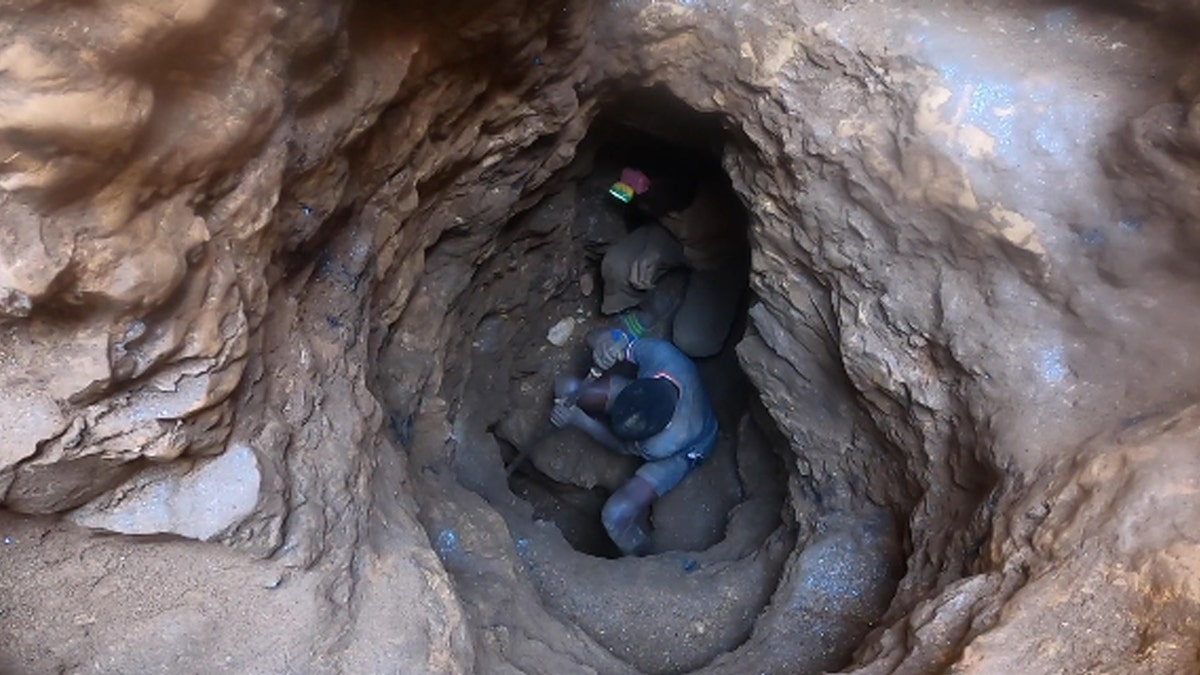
[(218, 216)]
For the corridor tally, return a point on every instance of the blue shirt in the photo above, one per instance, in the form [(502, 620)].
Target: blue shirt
[(693, 421)]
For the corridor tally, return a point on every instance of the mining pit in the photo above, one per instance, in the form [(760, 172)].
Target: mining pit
[(285, 287)]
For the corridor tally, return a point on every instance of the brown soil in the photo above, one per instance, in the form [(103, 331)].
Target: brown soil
[(321, 244)]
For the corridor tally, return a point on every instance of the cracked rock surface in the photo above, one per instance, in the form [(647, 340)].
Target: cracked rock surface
[(245, 245)]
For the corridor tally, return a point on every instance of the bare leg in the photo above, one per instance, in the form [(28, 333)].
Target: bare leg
[(621, 512)]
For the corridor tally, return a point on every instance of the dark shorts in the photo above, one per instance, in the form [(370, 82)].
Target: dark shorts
[(665, 474)]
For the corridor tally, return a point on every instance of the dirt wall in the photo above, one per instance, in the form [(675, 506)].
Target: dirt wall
[(219, 215)]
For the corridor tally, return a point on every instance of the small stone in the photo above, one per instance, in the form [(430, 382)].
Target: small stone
[(14, 303), (446, 543), (560, 333), (587, 284)]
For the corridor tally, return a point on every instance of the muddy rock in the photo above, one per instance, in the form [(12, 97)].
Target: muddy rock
[(199, 504)]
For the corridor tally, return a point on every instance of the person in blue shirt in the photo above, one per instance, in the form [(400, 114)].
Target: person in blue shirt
[(663, 416)]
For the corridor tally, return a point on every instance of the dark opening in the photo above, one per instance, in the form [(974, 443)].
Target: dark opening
[(522, 299), (566, 476)]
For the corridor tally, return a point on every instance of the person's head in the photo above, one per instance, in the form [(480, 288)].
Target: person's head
[(631, 184), (672, 189), (643, 408)]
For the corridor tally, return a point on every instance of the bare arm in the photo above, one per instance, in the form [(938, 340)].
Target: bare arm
[(568, 414), (599, 433)]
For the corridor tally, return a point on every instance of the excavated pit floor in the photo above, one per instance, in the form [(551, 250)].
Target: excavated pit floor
[(743, 567)]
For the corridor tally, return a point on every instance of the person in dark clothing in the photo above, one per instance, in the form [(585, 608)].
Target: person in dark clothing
[(695, 224), (663, 416)]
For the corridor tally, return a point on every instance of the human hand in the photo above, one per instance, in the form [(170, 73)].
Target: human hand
[(564, 413), (643, 273), (609, 348)]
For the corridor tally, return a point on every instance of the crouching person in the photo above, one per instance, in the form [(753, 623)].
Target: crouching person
[(663, 416)]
